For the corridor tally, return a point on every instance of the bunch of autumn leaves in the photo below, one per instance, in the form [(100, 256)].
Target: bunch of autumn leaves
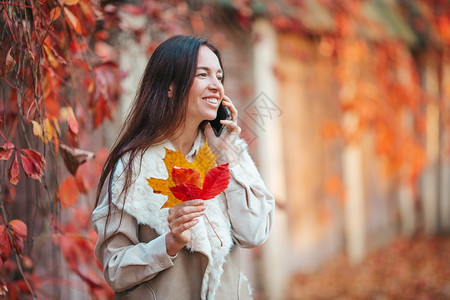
[(199, 179)]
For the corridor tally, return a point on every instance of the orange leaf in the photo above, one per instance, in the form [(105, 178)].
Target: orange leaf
[(70, 2), (73, 20), (72, 121), (13, 171), (68, 192), (55, 13)]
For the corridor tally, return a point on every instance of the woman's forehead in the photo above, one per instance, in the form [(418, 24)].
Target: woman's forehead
[(208, 60)]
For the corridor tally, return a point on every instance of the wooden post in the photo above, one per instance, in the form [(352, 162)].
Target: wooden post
[(271, 162), (430, 180), (445, 148), (406, 201), (407, 210), (355, 227)]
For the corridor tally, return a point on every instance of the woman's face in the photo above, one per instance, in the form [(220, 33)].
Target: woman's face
[(207, 89)]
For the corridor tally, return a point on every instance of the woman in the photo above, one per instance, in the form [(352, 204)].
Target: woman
[(150, 252)]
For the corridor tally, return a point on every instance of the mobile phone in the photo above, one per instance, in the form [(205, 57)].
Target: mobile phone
[(222, 114)]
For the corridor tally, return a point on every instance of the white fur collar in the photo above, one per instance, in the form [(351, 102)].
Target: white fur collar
[(145, 206)]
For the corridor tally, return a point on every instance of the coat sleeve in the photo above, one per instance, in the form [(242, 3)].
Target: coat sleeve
[(126, 262), (250, 204)]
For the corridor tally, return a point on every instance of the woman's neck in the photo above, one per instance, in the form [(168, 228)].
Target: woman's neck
[(185, 138)]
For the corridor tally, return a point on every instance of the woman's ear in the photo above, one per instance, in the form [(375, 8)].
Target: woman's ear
[(169, 93)]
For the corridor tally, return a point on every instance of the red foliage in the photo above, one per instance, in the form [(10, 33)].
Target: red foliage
[(18, 231), (54, 85)]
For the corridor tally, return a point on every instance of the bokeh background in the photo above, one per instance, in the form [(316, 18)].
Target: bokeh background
[(345, 106)]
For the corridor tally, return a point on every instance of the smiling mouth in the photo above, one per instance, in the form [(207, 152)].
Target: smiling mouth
[(211, 100)]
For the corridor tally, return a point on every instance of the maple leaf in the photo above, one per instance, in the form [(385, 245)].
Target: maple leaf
[(204, 161), (215, 182), (186, 191)]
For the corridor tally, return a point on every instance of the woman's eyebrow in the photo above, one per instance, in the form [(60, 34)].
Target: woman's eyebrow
[(208, 69)]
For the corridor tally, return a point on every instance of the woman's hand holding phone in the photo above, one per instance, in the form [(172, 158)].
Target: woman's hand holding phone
[(222, 145)]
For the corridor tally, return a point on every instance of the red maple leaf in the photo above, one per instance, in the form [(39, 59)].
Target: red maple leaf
[(188, 181)]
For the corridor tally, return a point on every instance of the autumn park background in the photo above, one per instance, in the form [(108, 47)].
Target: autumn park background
[(345, 106)]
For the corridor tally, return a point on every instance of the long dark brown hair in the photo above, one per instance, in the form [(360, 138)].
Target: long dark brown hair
[(154, 117)]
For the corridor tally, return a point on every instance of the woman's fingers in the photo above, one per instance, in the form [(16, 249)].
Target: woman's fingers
[(231, 122), (231, 125), (231, 108), (184, 216), (186, 208)]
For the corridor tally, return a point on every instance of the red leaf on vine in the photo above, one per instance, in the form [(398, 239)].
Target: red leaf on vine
[(216, 181), (19, 228), (5, 245), (19, 233), (5, 150), (101, 112), (33, 163), (13, 171)]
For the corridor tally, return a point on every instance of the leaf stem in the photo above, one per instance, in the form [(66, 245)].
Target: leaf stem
[(221, 243)]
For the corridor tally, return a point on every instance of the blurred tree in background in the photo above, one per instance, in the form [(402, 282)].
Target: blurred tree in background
[(60, 85)]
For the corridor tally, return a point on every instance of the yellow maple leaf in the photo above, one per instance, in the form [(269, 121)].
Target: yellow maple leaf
[(204, 161)]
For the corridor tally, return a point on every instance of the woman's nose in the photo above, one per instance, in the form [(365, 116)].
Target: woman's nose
[(215, 84)]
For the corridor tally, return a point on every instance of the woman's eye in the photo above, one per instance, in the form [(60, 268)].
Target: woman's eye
[(219, 78), (202, 74)]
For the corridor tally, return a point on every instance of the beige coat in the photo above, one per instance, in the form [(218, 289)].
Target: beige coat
[(132, 247)]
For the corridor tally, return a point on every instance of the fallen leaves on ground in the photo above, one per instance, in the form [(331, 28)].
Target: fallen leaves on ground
[(416, 268)]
